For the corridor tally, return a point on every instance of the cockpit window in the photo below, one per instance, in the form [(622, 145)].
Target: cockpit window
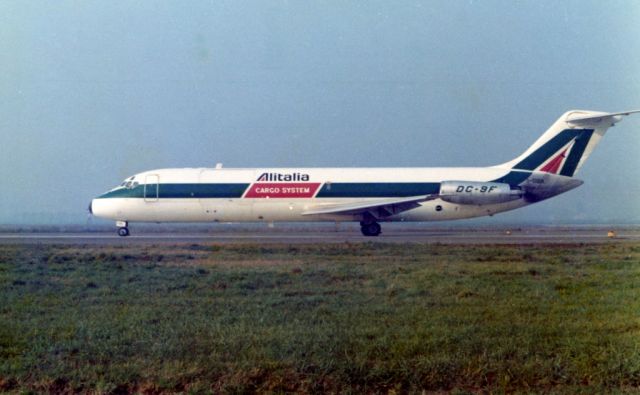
[(129, 183)]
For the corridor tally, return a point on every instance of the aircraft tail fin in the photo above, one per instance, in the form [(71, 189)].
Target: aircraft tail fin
[(567, 144)]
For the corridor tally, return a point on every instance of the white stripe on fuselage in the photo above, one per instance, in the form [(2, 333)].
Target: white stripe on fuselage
[(323, 175)]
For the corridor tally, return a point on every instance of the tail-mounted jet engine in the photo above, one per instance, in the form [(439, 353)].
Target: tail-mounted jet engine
[(479, 193)]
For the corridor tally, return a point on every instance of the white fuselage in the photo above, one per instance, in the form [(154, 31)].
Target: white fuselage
[(254, 195)]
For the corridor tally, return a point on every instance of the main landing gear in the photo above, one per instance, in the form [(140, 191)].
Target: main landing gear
[(123, 230), (370, 228)]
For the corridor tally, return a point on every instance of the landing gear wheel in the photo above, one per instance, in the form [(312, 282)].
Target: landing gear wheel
[(371, 229), (123, 232)]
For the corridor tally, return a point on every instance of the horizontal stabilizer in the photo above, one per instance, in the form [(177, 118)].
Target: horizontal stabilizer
[(378, 208), (578, 118)]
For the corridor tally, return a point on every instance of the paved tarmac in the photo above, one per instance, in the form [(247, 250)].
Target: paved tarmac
[(536, 235)]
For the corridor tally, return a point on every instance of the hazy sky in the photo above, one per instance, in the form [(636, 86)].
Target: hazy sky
[(94, 91)]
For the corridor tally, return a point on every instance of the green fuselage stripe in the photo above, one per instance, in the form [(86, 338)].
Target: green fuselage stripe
[(513, 178), (328, 190), (377, 189), (178, 191)]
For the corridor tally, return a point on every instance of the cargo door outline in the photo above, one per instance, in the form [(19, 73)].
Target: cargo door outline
[(151, 188)]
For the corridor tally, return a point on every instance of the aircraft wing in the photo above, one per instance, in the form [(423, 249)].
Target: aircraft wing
[(380, 208)]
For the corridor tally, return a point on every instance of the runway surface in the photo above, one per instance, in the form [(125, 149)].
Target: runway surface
[(539, 235)]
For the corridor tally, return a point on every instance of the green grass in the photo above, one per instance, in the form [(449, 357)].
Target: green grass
[(320, 318)]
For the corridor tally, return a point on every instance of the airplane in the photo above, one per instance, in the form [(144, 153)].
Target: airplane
[(367, 195)]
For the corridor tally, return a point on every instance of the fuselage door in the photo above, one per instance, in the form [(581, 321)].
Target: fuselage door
[(151, 188)]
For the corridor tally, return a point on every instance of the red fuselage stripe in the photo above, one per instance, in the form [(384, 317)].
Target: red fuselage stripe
[(282, 190)]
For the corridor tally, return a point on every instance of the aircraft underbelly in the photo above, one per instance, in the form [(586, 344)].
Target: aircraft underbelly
[(276, 210)]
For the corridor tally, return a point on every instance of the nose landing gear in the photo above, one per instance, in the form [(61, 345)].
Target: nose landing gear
[(123, 230)]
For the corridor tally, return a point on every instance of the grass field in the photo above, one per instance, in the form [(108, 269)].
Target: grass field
[(320, 318)]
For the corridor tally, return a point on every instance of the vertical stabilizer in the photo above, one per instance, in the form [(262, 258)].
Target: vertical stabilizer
[(566, 145)]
